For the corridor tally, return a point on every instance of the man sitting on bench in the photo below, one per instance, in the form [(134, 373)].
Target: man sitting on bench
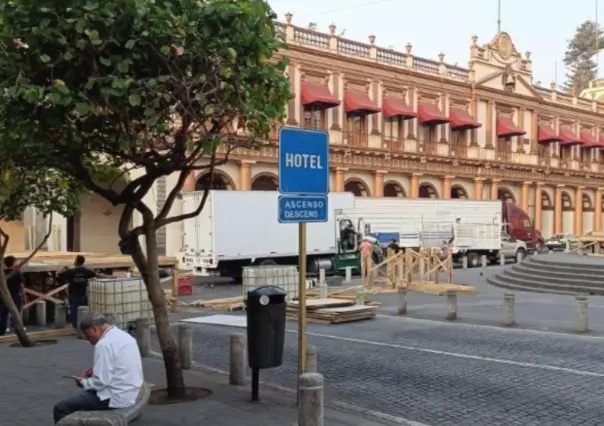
[(116, 377)]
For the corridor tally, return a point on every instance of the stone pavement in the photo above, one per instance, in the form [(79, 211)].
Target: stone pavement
[(443, 374), (32, 383)]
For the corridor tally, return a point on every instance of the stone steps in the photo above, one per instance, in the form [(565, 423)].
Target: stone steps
[(495, 281), (554, 278), (561, 275)]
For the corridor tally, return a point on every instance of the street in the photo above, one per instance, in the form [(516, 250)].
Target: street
[(468, 372), (443, 374)]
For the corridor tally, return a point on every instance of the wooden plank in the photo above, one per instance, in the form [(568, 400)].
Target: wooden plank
[(40, 335), (320, 303), (347, 309)]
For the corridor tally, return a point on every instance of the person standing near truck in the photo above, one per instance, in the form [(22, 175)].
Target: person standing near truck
[(77, 286)]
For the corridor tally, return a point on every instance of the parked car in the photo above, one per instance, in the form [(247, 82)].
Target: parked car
[(511, 248), (558, 242)]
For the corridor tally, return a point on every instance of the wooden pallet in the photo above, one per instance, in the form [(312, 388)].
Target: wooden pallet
[(226, 304), (439, 289), (332, 311)]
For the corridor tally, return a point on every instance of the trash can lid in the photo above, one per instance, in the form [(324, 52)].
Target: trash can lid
[(267, 290)]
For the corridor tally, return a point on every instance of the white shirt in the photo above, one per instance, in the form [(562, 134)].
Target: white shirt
[(117, 370)]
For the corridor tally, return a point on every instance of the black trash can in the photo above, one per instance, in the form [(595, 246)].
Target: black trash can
[(265, 310)]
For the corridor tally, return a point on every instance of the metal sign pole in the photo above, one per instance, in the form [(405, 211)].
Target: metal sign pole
[(301, 299)]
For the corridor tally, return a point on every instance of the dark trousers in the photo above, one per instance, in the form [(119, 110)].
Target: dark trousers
[(84, 401), (75, 301), (4, 313)]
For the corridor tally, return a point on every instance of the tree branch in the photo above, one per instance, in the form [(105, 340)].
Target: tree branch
[(197, 211), (36, 250)]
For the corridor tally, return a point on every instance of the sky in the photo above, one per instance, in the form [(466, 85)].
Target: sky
[(542, 27)]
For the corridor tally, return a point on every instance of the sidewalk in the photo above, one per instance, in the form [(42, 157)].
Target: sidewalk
[(32, 383)]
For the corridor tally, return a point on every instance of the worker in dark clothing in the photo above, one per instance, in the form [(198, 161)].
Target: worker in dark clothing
[(394, 246), (77, 286), (16, 288)]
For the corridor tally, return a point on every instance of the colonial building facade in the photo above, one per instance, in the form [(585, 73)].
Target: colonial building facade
[(404, 126)]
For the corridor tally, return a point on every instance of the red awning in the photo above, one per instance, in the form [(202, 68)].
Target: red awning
[(461, 120), (546, 134), (568, 137), (398, 108), (359, 103), (507, 128), (318, 95), (589, 140), (601, 140), (430, 114)]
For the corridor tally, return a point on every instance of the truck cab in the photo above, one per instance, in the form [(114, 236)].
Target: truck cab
[(348, 238), (520, 226)]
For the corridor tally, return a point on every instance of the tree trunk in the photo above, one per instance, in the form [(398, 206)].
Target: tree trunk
[(7, 299), (148, 265)]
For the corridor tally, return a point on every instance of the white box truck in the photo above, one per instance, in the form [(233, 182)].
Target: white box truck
[(471, 228), (241, 228)]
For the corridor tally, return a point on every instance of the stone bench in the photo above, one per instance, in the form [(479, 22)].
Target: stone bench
[(118, 417)]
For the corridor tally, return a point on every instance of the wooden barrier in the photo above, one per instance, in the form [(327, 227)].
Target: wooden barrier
[(417, 271)]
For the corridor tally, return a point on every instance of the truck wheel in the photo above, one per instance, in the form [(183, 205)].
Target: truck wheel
[(267, 262), (520, 255), (473, 260)]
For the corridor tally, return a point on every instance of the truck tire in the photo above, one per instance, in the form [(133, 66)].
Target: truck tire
[(473, 260)]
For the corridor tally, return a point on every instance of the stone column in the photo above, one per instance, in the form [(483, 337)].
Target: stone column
[(538, 204), (534, 132), (474, 132), (489, 124), (446, 188), (558, 210), (478, 188), (524, 201), (598, 210), (378, 183), (414, 183), (295, 100), (336, 111), (578, 210), (494, 188), (339, 179), (245, 175), (520, 139)]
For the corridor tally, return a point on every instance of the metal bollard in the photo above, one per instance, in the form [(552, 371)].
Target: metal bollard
[(464, 262), (502, 260), (402, 302), (311, 359), (111, 318), (311, 411), (81, 313), (484, 261), (509, 309), (185, 345), (60, 316), (237, 364), (322, 277), (143, 336), (41, 313), (582, 314), (451, 306), (348, 277)]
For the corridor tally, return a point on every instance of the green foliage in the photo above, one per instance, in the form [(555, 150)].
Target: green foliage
[(91, 84), (585, 44), (48, 191)]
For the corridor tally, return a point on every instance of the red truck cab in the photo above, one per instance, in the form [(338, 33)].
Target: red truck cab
[(520, 226)]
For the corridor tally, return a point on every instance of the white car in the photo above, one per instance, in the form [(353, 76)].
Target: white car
[(512, 248)]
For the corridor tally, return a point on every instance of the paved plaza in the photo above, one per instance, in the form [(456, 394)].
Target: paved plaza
[(32, 380)]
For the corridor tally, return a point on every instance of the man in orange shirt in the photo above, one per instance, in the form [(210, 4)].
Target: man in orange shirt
[(366, 249)]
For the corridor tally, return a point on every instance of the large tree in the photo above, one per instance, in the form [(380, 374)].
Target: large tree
[(152, 88), (579, 57), (48, 191)]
